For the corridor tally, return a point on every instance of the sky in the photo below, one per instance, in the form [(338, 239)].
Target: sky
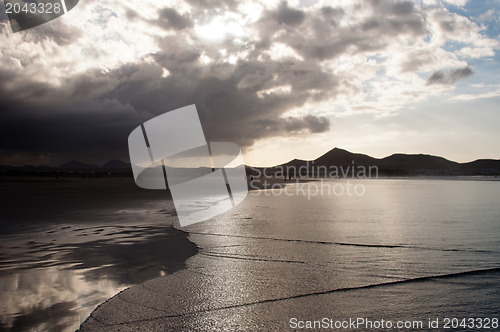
[(281, 79)]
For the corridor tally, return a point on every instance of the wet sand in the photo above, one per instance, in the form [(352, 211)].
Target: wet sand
[(268, 260), (275, 258), (67, 246)]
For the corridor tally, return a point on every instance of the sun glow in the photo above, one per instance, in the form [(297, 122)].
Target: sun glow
[(213, 33)]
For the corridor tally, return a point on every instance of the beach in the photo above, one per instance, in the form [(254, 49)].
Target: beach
[(407, 251), (363, 130), (102, 254), (68, 244)]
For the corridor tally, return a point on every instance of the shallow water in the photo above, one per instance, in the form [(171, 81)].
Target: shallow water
[(405, 249), (65, 250), (447, 225), (429, 248)]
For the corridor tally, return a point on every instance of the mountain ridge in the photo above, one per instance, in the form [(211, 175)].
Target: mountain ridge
[(394, 164), (401, 163)]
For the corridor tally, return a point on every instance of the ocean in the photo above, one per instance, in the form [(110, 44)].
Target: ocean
[(353, 254)]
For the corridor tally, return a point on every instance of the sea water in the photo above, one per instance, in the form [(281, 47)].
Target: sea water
[(409, 250)]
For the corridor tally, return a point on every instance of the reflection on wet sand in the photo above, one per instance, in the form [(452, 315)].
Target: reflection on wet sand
[(55, 280), (67, 245)]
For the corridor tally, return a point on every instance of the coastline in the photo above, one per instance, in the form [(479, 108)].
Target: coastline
[(99, 232), (258, 266), (79, 243)]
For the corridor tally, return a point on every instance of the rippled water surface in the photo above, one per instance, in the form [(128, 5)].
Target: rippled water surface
[(67, 246), (406, 248)]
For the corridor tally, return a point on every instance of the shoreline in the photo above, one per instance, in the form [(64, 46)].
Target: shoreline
[(79, 243), (252, 270), (169, 301)]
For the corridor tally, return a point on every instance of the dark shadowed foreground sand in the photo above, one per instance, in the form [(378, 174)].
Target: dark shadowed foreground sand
[(68, 245)]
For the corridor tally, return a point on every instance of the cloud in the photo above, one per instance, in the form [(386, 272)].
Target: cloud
[(230, 106), (450, 77), (403, 8), (170, 19), (287, 15), (478, 52), (457, 2), (80, 83), (488, 16), (470, 97)]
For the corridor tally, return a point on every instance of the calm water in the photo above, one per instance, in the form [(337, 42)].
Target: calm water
[(68, 245), (276, 256), (413, 221), (405, 249)]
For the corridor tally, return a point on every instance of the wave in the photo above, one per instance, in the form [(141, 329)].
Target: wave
[(389, 246), (305, 295)]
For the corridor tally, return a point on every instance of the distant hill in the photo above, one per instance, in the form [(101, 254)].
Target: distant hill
[(115, 163), (416, 161), (78, 165), (113, 168), (483, 164), (401, 164), (398, 164), (342, 157)]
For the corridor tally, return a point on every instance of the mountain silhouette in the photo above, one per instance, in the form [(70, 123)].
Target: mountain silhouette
[(77, 165), (400, 164), (115, 163), (342, 157), (394, 165), (401, 161)]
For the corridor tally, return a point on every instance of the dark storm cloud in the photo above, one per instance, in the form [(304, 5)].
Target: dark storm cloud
[(450, 77), (95, 112), (89, 116), (230, 107), (85, 134), (287, 15), (170, 19), (309, 122), (3, 14), (74, 122)]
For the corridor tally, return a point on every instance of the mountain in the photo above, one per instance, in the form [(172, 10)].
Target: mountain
[(401, 161), (400, 164), (342, 157), (337, 157), (482, 163), (115, 163), (78, 165)]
